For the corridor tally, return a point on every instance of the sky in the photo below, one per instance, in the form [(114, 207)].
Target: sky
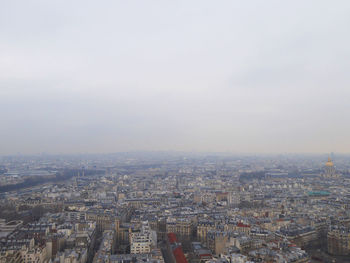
[(157, 75)]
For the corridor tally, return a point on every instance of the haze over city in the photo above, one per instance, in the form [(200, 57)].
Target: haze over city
[(180, 131), (222, 76)]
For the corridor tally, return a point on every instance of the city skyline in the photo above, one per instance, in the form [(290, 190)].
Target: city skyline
[(174, 208)]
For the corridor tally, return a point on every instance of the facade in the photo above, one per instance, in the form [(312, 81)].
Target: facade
[(202, 230), (34, 255), (302, 236), (11, 256), (338, 241), (217, 241), (142, 242), (182, 227)]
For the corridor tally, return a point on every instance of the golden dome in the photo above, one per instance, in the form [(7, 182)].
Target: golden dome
[(329, 163)]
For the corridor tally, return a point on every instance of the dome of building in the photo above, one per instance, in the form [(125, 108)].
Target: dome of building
[(329, 163)]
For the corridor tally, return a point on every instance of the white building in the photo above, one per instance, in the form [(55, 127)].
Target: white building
[(142, 242)]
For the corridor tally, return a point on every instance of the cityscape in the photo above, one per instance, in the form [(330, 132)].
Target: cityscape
[(186, 131), (175, 207)]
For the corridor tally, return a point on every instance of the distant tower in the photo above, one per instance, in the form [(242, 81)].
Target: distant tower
[(329, 170)]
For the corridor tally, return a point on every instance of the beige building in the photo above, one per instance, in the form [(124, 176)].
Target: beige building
[(34, 255), (202, 230), (338, 242), (10, 256), (182, 227)]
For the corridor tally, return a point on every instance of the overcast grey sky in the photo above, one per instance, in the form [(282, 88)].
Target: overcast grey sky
[(238, 76)]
